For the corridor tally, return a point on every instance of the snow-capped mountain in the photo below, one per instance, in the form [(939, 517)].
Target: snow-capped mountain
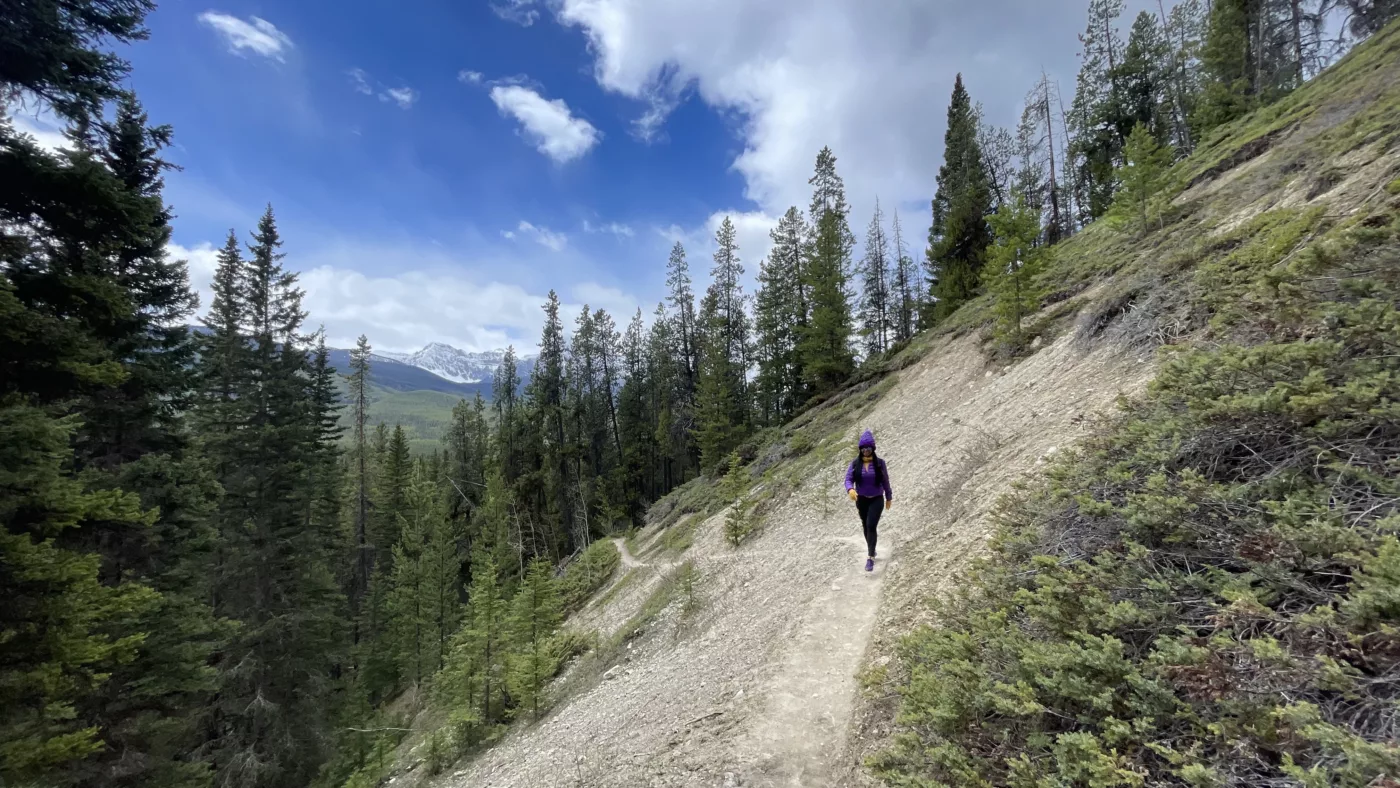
[(449, 363)]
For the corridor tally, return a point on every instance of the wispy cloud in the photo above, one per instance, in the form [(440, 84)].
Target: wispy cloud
[(550, 124), (521, 12), (363, 83), (469, 77), (404, 97), (360, 80), (620, 230), (542, 235), (255, 35)]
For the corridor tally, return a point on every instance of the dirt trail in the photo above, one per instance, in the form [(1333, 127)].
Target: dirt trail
[(810, 700), (758, 687), (628, 560)]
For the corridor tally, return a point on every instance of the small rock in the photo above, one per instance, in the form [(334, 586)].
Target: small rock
[(731, 780), (1035, 343), (612, 672)]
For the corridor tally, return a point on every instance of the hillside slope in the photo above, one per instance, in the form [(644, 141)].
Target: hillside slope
[(751, 680)]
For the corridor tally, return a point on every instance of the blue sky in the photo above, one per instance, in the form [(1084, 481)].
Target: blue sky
[(437, 167)]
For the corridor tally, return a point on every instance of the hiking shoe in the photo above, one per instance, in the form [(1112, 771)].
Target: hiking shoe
[(870, 564)]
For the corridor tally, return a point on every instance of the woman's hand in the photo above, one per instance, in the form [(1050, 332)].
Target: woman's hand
[(852, 493), (888, 504)]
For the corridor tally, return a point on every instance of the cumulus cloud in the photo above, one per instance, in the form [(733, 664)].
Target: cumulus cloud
[(549, 124), (869, 79), (469, 77), (255, 35), (543, 235)]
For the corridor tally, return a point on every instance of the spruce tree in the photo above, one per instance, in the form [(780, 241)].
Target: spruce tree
[(276, 577), (718, 429), (535, 615), (875, 307), (825, 345), (959, 236)]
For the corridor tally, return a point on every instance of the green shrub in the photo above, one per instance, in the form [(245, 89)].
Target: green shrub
[(1205, 594), (588, 573)]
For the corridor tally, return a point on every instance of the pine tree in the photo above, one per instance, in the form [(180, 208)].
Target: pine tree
[(681, 298), (546, 393), (959, 236), (535, 614), (1146, 163), (1142, 80), (1039, 180), (1097, 144), (775, 335), (875, 305), (1012, 265), (718, 428), (906, 305), (727, 327), (788, 263), (391, 505), (419, 607), (824, 347), (505, 395), (359, 403), (487, 637)]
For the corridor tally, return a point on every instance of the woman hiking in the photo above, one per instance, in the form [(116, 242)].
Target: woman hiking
[(866, 478)]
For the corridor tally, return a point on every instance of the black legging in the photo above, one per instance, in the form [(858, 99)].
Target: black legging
[(869, 509)]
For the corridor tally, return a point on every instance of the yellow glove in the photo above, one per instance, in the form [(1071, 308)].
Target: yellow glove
[(852, 493), (888, 503)]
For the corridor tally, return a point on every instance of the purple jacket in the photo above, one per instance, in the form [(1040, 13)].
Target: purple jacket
[(863, 478)]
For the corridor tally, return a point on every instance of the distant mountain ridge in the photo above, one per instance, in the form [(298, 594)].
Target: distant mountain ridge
[(437, 367), (458, 366)]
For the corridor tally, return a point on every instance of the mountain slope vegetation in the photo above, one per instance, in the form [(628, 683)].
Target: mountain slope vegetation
[(1203, 593)]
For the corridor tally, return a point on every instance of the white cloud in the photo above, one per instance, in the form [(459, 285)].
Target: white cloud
[(437, 301), (546, 237), (551, 126), (41, 124), (751, 235), (360, 80), (404, 97), (256, 35), (363, 83), (202, 260), (620, 230), (469, 77), (520, 12), (871, 80)]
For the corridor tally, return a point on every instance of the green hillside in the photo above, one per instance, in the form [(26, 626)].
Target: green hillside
[(425, 415), (1205, 594)]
